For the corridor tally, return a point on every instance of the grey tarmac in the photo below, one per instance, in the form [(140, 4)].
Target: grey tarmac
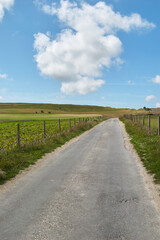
[(91, 189)]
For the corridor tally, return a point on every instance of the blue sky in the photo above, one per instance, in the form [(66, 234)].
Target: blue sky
[(80, 52)]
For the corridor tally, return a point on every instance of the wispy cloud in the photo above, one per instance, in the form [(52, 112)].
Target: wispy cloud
[(3, 90), (150, 98), (103, 98), (3, 76), (157, 105), (129, 82), (88, 45), (3, 93), (5, 5)]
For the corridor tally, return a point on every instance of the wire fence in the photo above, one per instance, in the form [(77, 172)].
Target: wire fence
[(20, 134), (151, 122)]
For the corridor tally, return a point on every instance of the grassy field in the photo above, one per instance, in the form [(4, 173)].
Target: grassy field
[(34, 142), (32, 132), (153, 122), (147, 146), (54, 109), (17, 158), (30, 117)]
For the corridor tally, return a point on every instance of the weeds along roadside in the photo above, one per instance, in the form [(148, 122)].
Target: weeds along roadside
[(20, 158), (147, 146)]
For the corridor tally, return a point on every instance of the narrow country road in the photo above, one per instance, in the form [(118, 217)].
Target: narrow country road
[(91, 189)]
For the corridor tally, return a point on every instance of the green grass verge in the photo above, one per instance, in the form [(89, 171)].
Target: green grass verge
[(147, 146), (18, 159)]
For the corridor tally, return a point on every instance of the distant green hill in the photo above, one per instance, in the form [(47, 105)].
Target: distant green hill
[(60, 109)]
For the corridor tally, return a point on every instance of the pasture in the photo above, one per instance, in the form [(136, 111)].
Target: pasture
[(149, 121), (60, 109), (15, 134), (34, 117), (20, 147)]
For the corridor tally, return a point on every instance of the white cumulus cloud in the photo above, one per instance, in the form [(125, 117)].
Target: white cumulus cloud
[(81, 86), (5, 5), (150, 97), (100, 13), (87, 44), (71, 55), (156, 79)]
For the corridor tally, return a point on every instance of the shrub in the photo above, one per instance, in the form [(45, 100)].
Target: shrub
[(2, 175)]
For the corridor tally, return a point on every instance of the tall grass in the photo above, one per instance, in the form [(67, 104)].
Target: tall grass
[(153, 121), (147, 146)]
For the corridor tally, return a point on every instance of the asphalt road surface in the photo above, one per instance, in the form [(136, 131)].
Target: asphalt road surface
[(91, 189)]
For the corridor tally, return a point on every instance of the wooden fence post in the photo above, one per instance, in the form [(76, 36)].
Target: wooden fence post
[(44, 130), (18, 135), (158, 125), (149, 122), (59, 123), (143, 119)]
